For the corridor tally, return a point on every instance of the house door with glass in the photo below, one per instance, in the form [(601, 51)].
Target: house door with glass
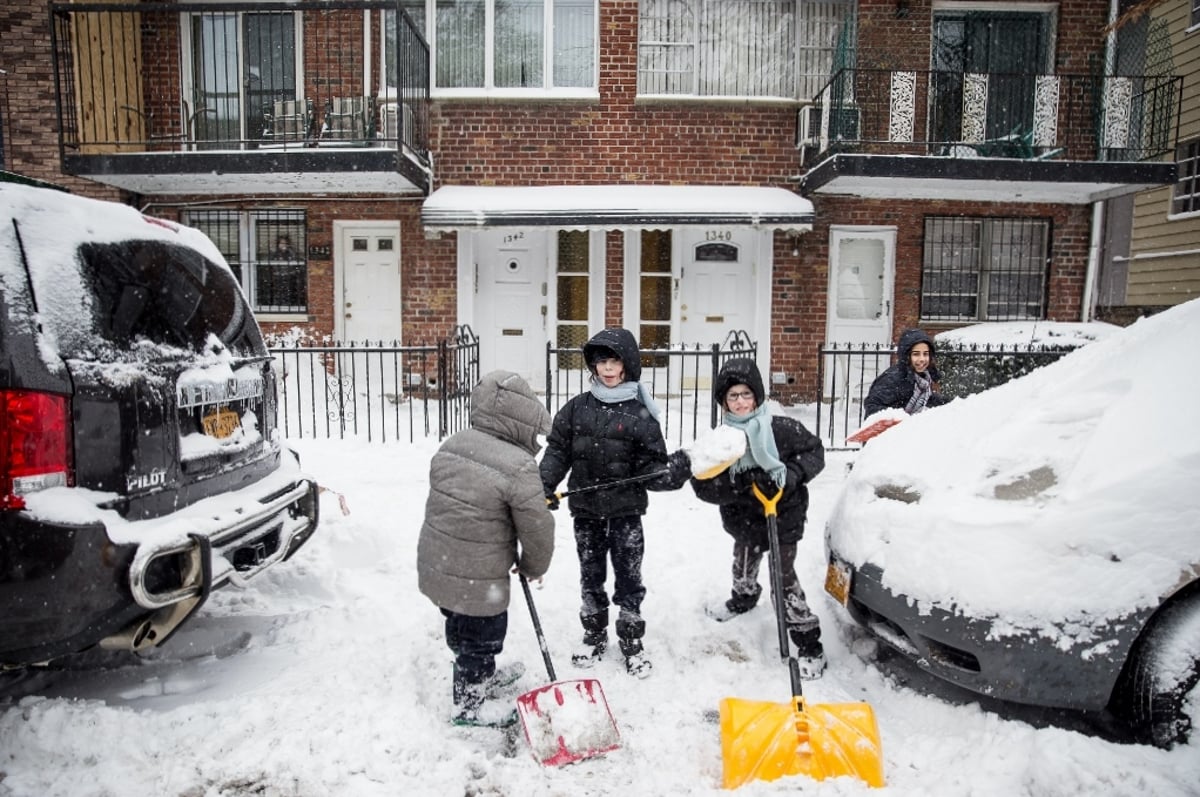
[(862, 271), (241, 64), (985, 65)]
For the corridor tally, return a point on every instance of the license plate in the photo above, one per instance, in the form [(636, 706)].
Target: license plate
[(837, 580), (221, 423)]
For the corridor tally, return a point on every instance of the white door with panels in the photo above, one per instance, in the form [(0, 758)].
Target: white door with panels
[(511, 303)]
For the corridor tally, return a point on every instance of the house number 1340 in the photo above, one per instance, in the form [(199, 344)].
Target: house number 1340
[(718, 235)]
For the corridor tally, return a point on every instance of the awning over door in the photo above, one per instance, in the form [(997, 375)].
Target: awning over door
[(580, 207)]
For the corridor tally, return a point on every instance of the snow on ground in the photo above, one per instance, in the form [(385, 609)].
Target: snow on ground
[(329, 676)]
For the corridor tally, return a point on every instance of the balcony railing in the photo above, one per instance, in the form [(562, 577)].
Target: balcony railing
[(967, 115), (243, 78)]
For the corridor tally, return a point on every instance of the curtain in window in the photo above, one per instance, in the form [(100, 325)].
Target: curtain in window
[(743, 48), (574, 43), (460, 43), (519, 47)]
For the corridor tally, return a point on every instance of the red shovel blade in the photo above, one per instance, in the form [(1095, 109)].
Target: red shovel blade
[(871, 430), (568, 721)]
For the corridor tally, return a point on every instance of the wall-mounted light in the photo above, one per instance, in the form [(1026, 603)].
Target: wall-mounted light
[(901, 9)]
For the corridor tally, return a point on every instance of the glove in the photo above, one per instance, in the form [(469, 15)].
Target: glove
[(552, 502), (766, 484), (680, 465)]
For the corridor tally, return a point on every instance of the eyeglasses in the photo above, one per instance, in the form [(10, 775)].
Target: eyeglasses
[(739, 395)]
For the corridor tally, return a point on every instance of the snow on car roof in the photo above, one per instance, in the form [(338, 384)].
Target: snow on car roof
[(1067, 493)]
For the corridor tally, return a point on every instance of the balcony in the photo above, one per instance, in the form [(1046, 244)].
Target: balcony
[(1072, 139), (247, 98)]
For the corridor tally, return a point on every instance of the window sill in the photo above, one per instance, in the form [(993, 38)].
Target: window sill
[(281, 318), (696, 99), (515, 95)]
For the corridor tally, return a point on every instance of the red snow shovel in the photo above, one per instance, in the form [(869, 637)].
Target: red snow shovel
[(565, 721)]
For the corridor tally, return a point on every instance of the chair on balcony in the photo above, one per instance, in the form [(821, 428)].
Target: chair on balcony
[(289, 122), (349, 121)]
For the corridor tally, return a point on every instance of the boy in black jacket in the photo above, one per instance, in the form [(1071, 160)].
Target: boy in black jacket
[(611, 432), (780, 454)]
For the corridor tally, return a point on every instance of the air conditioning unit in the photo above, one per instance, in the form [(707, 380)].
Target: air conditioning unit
[(844, 125), (808, 127), (397, 123)]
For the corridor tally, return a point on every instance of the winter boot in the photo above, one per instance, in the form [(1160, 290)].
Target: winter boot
[(502, 681), (630, 630), (472, 707), (738, 603), (810, 654), (595, 640)]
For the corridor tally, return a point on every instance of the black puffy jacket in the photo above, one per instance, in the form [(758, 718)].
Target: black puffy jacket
[(894, 387), (742, 513), (599, 443)]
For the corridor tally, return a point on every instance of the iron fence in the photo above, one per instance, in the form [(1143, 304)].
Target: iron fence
[(375, 389), (845, 373), (679, 376)]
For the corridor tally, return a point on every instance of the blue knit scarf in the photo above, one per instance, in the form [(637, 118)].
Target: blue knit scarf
[(761, 450), (624, 392)]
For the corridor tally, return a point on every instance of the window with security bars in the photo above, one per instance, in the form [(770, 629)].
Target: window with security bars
[(737, 48), (1186, 197), (984, 269), (266, 250)]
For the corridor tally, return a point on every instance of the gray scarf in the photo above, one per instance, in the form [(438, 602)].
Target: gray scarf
[(922, 387), (624, 392), (761, 450)]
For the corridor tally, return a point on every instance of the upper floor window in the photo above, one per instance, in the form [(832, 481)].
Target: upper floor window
[(737, 48), (509, 46), (266, 251), (1186, 197), (990, 269), (1196, 12)]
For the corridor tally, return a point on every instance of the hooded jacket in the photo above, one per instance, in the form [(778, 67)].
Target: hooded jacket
[(486, 510), (894, 387), (801, 451), (600, 442)]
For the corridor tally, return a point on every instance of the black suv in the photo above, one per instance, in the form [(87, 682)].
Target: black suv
[(140, 464)]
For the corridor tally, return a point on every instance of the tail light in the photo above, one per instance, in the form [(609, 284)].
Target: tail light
[(35, 444)]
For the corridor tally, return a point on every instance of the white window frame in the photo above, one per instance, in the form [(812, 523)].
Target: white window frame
[(489, 89)]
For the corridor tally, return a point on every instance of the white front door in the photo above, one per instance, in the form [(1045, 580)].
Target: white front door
[(717, 284), (369, 265), (862, 267), (510, 302)]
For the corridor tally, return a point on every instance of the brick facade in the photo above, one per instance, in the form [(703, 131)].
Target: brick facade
[(617, 139)]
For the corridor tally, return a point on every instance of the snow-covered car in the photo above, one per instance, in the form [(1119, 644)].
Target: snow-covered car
[(140, 466), (1039, 542)]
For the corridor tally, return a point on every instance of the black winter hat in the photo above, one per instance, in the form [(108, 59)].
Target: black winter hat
[(739, 371), (615, 341)]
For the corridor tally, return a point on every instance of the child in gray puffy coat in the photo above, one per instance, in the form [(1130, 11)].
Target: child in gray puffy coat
[(486, 513)]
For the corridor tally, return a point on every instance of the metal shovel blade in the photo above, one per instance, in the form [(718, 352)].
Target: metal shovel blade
[(568, 721)]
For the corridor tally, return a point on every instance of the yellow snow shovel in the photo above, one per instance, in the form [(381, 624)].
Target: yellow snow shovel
[(766, 741)]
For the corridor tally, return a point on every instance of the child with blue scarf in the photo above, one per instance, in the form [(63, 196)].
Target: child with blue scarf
[(780, 454), (609, 433)]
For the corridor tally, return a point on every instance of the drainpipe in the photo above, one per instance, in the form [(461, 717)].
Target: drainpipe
[(1094, 244), (1093, 262)]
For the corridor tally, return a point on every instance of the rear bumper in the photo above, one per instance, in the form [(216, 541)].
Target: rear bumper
[(1074, 668), (66, 587)]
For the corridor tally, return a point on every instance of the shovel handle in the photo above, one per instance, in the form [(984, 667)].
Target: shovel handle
[(776, 566), (645, 477), (537, 627)]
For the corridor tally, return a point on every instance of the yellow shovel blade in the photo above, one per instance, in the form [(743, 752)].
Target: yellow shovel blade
[(766, 741)]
